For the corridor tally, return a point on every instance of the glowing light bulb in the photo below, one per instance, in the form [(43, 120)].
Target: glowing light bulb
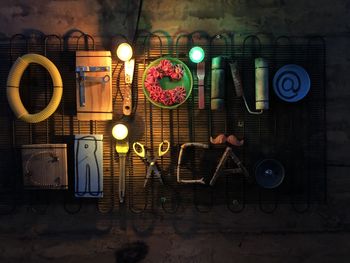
[(120, 131), (196, 54), (124, 52)]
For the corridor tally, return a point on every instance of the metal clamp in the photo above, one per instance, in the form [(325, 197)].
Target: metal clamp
[(82, 78)]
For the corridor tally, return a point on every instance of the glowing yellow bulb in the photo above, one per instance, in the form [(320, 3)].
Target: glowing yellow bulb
[(124, 52), (120, 131)]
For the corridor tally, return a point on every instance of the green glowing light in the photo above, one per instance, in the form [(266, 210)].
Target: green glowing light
[(196, 54)]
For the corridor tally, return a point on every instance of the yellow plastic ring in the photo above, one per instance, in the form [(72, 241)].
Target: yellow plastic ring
[(13, 82)]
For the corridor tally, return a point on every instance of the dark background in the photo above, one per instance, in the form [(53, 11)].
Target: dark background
[(315, 231)]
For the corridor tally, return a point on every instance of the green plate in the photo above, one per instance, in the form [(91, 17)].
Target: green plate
[(166, 83)]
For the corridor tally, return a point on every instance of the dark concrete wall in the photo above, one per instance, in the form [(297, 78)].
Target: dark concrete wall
[(190, 237), (107, 18), (274, 16)]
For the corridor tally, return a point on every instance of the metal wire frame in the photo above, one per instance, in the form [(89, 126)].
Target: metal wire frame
[(11, 206), (191, 130), (311, 61), (151, 191), (70, 204), (192, 39), (235, 201)]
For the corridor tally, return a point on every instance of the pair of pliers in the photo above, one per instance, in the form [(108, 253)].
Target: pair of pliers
[(139, 149)]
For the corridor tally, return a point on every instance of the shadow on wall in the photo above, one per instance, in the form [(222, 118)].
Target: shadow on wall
[(118, 17), (132, 252)]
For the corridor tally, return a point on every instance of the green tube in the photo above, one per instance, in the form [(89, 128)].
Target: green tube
[(217, 83), (261, 84)]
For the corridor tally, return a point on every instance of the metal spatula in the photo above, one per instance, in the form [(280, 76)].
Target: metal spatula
[(200, 76)]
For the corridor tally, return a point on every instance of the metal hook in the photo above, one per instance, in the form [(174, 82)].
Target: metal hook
[(12, 39), (168, 38), (148, 40), (218, 37), (275, 205), (86, 41), (178, 40), (253, 37), (46, 39), (236, 205)]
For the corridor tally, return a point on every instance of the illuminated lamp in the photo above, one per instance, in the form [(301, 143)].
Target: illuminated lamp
[(124, 52), (120, 131), (196, 54)]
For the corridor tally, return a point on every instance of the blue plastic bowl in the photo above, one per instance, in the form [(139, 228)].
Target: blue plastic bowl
[(269, 173)]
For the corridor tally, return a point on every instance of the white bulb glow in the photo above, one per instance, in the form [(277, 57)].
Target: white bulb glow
[(196, 54), (120, 131), (124, 52)]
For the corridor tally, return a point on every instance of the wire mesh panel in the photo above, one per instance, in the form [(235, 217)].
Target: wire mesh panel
[(292, 133)]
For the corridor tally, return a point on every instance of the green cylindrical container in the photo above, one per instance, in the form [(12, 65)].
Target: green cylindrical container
[(261, 84), (217, 83)]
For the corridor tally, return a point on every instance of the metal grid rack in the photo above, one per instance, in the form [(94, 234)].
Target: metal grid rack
[(294, 133)]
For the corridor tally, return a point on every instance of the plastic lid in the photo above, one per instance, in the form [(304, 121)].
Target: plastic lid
[(269, 173), (291, 83)]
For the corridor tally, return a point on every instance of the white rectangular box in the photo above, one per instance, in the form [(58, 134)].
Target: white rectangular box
[(88, 154)]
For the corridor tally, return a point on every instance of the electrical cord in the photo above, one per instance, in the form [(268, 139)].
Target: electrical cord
[(133, 89), (137, 21)]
